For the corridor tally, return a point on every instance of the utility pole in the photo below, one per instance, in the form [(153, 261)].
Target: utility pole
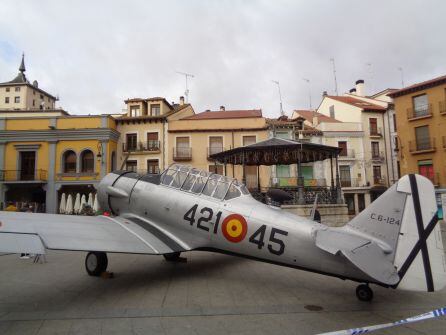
[(186, 76), (402, 76), (309, 90), (280, 96), (334, 75)]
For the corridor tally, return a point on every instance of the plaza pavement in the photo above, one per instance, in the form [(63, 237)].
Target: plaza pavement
[(210, 294)]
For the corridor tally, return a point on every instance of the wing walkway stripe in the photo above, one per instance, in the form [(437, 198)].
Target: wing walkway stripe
[(157, 233)]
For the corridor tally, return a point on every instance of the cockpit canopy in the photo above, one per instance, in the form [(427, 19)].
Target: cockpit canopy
[(202, 182)]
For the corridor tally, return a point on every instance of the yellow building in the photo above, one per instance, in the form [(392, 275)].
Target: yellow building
[(143, 130), (20, 94), (42, 157), (192, 139), (421, 122)]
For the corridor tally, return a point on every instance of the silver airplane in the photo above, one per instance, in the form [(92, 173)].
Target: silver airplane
[(395, 242)]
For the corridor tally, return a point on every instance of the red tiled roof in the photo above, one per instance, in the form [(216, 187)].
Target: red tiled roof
[(418, 87), (308, 115), (367, 106), (228, 114)]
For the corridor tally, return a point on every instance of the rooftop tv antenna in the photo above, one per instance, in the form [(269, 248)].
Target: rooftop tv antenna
[(280, 96), (370, 70), (309, 90), (334, 75), (402, 76), (186, 76)]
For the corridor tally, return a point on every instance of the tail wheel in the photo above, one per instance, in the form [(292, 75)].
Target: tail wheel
[(364, 293), (96, 263), (172, 257)]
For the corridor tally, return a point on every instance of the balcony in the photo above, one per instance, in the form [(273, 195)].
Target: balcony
[(23, 176), (148, 146), (352, 182), (375, 132), (182, 154), (347, 154), (292, 182), (419, 113), (214, 150), (442, 107), (379, 181), (422, 146), (378, 156)]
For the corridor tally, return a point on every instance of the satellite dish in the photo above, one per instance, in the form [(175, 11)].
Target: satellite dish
[(35, 84)]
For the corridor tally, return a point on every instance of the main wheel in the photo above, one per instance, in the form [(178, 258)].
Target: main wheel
[(96, 263), (172, 257), (364, 292)]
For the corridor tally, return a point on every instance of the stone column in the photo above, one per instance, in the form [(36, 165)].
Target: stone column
[(355, 197), (104, 158), (51, 192), (339, 199)]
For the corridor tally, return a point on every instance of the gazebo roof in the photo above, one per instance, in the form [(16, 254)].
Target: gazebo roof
[(275, 151)]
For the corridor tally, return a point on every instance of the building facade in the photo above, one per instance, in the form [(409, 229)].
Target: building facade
[(421, 121)]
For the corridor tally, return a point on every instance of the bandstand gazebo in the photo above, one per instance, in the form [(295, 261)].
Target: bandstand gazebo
[(278, 151)]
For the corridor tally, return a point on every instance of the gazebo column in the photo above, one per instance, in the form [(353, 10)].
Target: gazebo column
[(300, 181), (243, 169), (338, 184), (258, 178), (224, 167), (331, 168)]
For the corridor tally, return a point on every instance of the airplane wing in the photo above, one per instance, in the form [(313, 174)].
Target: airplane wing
[(33, 233)]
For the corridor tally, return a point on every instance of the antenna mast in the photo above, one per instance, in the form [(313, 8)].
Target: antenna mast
[(402, 76), (309, 90), (334, 75), (186, 76), (280, 96)]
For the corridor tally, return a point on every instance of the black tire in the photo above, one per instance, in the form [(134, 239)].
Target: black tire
[(96, 263), (172, 257), (364, 293)]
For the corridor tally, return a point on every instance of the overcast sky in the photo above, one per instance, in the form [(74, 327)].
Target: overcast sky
[(95, 54)]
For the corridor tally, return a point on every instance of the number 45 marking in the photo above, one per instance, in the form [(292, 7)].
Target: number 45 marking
[(259, 236)]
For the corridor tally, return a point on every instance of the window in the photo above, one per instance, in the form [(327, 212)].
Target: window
[(283, 171), (113, 161), (215, 144), (396, 146), (420, 105), (135, 111), (131, 140), (343, 146), (394, 122), (210, 185), (7, 89), (152, 141), (332, 111), (178, 179), (350, 201), (373, 124), (155, 110), (221, 190), (233, 192), (17, 89), (131, 166), (344, 173), (87, 161), (6, 100), (283, 134), (398, 169), (218, 169), (361, 202), (422, 138), (377, 174), (17, 100), (41, 97), (182, 147), (375, 149), (152, 166), (34, 102), (34, 92), (69, 162), (426, 169), (247, 140)]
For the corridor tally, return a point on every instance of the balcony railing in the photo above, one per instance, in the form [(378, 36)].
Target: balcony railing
[(352, 182), (293, 182), (378, 156), (442, 107), (422, 145), (141, 146), (347, 154), (182, 154), (420, 112), (21, 175), (214, 150), (379, 180), (376, 131)]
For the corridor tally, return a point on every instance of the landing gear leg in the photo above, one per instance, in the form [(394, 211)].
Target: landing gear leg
[(174, 257), (96, 263), (364, 292)]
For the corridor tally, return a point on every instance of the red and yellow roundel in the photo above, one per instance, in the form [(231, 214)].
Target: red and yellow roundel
[(234, 228)]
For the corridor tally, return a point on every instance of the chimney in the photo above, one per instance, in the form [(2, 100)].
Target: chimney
[(315, 120), (360, 90), (181, 100), (352, 91), (324, 94), (222, 108)]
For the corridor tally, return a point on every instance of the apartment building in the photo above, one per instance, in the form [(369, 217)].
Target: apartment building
[(144, 143), (421, 120)]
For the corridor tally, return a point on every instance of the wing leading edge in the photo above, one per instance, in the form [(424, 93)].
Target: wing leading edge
[(33, 233)]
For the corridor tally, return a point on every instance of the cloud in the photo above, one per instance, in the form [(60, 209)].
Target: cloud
[(95, 54)]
